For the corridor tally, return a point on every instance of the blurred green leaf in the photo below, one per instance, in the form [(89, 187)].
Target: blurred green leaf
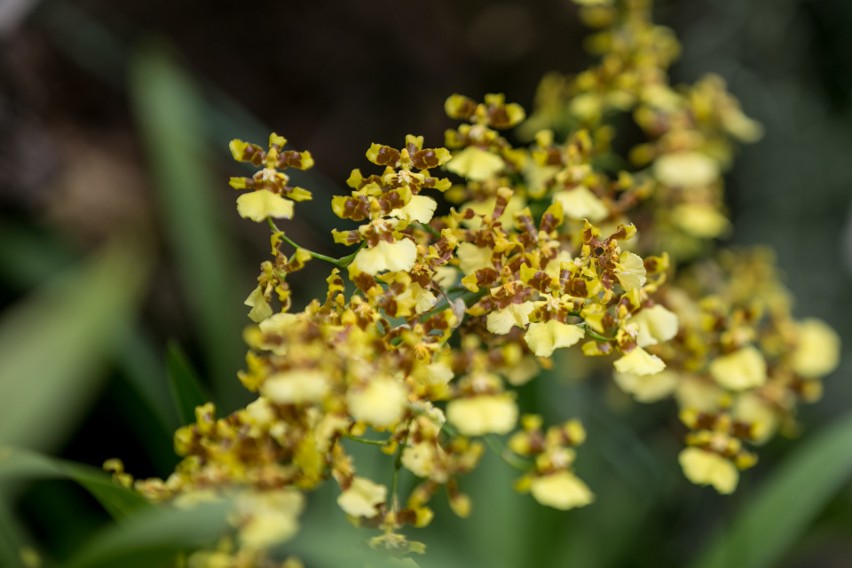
[(152, 537), (28, 256), (800, 488), (18, 463), (172, 124), (187, 392), (13, 538), (52, 344)]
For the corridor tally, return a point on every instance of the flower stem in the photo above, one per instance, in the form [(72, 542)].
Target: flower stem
[(342, 262), (366, 440), (506, 455)]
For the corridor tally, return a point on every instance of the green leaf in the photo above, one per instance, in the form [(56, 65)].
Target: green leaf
[(774, 519), (18, 463), (53, 343), (153, 536), (187, 392), (172, 122)]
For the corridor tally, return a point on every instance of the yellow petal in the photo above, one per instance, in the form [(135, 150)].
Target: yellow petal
[(687, 169), (473, 258), (272, 517), (381, 403), (580, 203), (639, 362), (419, 208), (562, 490), (418, 297), (647, 388), (398, 255), (362, 498), (278, 323), (421, 458), (480, 415), (486, 208), (261, 204), (700, 220), (296, 386), (818, 350), (698, 394), (743, 369), (501, 321), (752, 409), (544, 338), (475, 164), (260, 309), (655, 325), (706, 468), (631, 271)]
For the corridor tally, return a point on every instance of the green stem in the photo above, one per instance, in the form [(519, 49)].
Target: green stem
[(429, 229), (506, 455), (366, 440), (595, 335), (342, 262), (397, 467), (468, 298)]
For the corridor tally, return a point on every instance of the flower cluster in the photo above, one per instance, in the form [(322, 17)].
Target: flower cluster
[(432, 321)]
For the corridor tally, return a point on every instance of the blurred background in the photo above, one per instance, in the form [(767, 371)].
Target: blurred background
[(122, 258)]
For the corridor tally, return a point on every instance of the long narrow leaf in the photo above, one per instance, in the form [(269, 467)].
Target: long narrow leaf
[(187, 392), (773, 521), (29, 256), (18, 463), (153, 536), (172, 125), (52, 344)]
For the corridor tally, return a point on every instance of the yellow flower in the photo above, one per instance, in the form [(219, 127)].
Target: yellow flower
[(555, 265), (398, 255), (580, 203), (698, 394), (743, 369), (272, 517), (486, 208), (296, 386), (647, 388), (421, 458), (639, 362), (818, 350), (706, 468), (381, 403), (751, 409), (420, 208), (260, 309), (687, 169), (544, 338), (701, 220), (261, 204), (654, 325), (473, 258), (631, 271), (416, 296), (278, 323), (480, 415), (501, 321), (587, 106), (562, 490), (362, 498), (475, 164)]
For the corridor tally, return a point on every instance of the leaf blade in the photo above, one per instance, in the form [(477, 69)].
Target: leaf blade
[(186, 389), (769, 523), (53, 342)]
